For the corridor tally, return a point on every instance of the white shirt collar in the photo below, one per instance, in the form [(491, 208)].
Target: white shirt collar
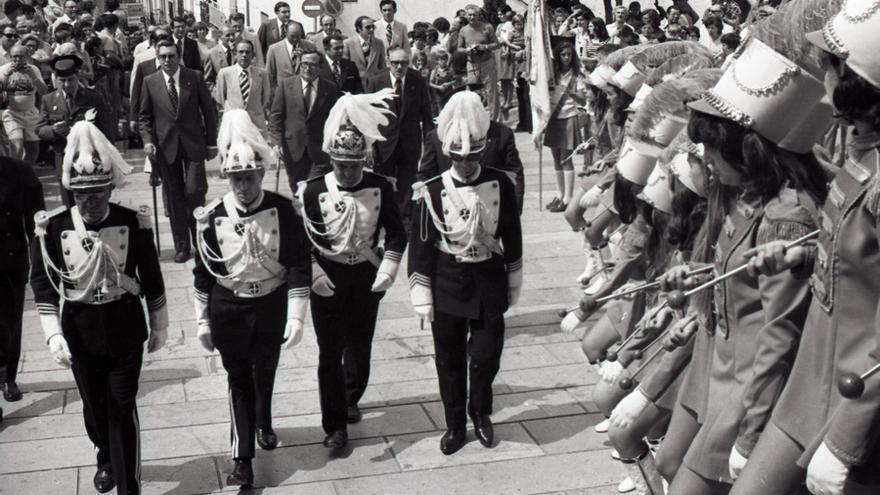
[(330, 61), (176, 76), (468, 179), (253, 206), (402, 80)]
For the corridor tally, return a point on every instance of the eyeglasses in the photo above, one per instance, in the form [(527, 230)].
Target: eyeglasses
[(370, 27), (167, 56), (11, 35)]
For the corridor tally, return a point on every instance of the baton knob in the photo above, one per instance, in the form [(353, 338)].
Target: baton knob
[(588, 305), (851, 385), (638, 354), (562, 313), (626, 383), (676, 299), (611, 356)]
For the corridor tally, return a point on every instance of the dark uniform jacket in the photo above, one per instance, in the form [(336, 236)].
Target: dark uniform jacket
[(116, 327), (54, 109), (500, 153), (466, 289), (21, 196)]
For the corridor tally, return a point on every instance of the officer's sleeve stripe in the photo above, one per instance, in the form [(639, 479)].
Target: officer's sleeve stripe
[(201, 296), (393, 256), (47, 309), (516, 265), (157, 303), (419, 279), (298, 292)]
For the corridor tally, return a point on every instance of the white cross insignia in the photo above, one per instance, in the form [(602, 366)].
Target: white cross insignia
[(465, 214), (255, 288), (339, 207), (98, 295), (473, 252), (239, 229), (88, 244), (352, 259)]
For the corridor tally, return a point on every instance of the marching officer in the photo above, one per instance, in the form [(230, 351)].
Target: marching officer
[(251, 285), (345, 211), (100, 260), (465, 268)]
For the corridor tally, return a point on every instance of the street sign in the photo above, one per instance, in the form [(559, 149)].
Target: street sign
[(333, 7), (312, 8)]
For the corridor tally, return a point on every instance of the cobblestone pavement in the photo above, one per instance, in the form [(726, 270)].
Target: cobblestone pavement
[(543, 404)]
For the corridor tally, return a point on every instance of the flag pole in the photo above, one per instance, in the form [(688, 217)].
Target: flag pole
[(540, 178)]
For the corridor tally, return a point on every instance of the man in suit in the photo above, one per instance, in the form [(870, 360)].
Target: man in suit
[(274, 30), (178, 124), (337, 69), (237, 21), (392, 34), (244, 85), (222, 55), (141, 71), (188, 48), (328, 26), (365, 50), (283, 58), (68, 104), (299, 109), (398, 156), (500, 152)]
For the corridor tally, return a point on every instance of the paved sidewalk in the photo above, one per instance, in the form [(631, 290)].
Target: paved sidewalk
[(543, 405)]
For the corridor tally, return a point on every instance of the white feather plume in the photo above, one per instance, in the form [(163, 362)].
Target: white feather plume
[(462, 120), (239, 135), (366, 112), (84, 141)]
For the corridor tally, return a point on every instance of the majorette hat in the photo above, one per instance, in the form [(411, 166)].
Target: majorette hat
[(91, 161), (805, 135), (658, 190), (853, 35), (241, 145), (637, 161), (462, 125), (763, 91), (353, 124)]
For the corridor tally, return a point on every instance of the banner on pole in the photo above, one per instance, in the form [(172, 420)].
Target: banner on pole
[(539, 60)]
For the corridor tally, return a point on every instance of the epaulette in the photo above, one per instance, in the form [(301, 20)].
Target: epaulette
[(788, 216), (42, 217), (202, 213), (510, 175), (419, 188), (144, 216)]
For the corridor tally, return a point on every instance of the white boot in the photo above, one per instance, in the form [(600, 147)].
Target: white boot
[(626, 486), (592, 267), (602, 427)]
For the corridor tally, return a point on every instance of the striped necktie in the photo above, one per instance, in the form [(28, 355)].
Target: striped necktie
[(172, 93), (244, 82), (388, 34)]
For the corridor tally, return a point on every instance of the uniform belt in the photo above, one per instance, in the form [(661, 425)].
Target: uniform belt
[(474, 254), (250, 289), (96, 296), (354, 258)]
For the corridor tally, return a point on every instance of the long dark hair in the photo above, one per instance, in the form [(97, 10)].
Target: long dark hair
[(857, 99), (557, 58), (619, 103), (625, 201), (765, 167), (688, 214), (598, 103), (600, 31)]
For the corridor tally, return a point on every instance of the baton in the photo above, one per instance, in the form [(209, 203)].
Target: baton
[(278, 173), (155, 214), (852, 386), (627, 383)]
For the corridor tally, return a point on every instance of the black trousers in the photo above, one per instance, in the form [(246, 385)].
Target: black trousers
[(524, 105), (12, 283), (403, 170), (344, 325), (452, 348), (108, 386), (248, 333), (185, 186), (303, 169)]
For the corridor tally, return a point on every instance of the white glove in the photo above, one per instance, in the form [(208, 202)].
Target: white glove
[(59, 350), (425, 312), (570, 322), (736, 462), (513, 296), (629, 409), (157, 339), (826, 474), (321, 283), (590, 198), (611, 370), (293, 333), (204, 335), (382, 283)]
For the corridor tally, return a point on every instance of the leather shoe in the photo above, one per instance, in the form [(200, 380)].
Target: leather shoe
[(354, 414), (104, 480), (11, 392), (181, 256), (452, 441), (483, 429), (242, 474), (336, 440), (267, 439)]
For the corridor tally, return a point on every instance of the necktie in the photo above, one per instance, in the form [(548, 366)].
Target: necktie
[(283, 31), (388, 34), (307, 98), (366, 48), (398, 93), (244, 81), (336, 74), (294, 60), (68, 99), (180, 48), (228, 57), (172, 93)]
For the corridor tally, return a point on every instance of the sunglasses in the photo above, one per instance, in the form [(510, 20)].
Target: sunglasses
[(11, 35)]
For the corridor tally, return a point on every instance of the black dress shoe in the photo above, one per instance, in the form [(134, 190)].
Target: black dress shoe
[(242, 474), (104, 480), (11, 392), (181, 256), (267, 439), (483, 429), (336, 440), (452, 441), (354, 415)]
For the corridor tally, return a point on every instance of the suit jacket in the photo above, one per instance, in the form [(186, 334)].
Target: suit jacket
[(289, 123), (399, 34), (54, 109), (367, 66), (191, 57), (227, 93), (405, 131), (215, 61), (268, 35), (349, 76), (189, 130), (278, 63), (142, 70), (21, 196), (500, 153)]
